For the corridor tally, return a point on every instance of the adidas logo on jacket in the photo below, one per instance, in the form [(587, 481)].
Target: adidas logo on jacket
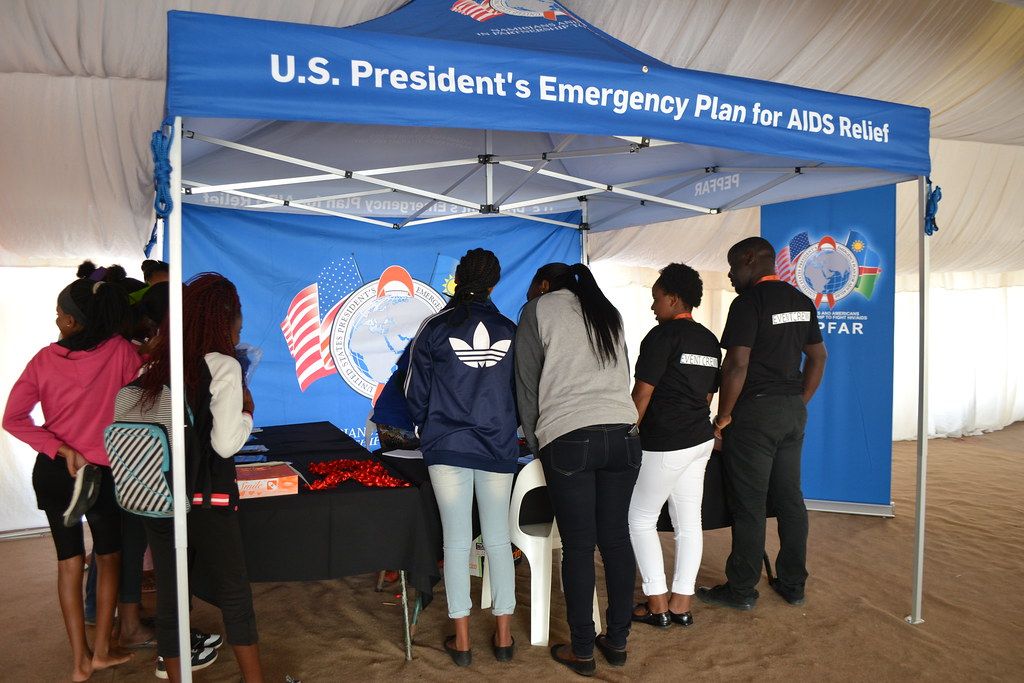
[(461, 388)]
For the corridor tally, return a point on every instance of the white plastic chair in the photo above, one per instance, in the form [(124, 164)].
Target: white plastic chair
[(538, 543), (370, 428)]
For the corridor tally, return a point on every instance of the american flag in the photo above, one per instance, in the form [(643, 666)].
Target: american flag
[(481, 11), (307, 333), (785, 260)]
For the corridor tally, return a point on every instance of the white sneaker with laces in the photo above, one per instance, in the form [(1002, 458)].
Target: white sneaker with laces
[(200, 660)]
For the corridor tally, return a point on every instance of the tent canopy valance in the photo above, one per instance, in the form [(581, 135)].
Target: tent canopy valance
[(438, 110)]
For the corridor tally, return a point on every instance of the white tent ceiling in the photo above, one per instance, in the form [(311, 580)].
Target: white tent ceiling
[(81, 87)]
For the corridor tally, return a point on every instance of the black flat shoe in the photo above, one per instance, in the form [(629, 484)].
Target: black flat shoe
[(656, 619), (684, 619), (793, 597), (723, 596), (612, 655), (503, 654), (584, 667), (460, 657)]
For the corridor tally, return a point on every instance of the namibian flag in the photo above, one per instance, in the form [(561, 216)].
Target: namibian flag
[(868, 262), (442, 278)]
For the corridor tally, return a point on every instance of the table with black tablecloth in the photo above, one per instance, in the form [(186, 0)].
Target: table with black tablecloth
[(345, 531), (339, 532)]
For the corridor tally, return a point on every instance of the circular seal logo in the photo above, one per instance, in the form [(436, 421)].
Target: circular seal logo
[(828, 270), (525, 8), (374, 325)]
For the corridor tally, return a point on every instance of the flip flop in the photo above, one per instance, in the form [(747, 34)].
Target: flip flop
[(141, 646)]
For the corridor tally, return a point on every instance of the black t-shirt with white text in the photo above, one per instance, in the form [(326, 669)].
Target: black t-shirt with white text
[(776, 321), (681, 359)]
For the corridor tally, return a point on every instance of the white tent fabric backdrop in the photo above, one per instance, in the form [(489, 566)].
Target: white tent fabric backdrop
[(973, 393), (82, 87)]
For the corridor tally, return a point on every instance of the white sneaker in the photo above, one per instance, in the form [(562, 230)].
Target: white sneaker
[(200, 660)]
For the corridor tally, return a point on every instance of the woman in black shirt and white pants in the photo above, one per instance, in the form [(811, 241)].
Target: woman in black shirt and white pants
[(677, 373)]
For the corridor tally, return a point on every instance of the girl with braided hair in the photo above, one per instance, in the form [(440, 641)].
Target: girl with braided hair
[(572, 380), (75, 381), (461, 395), (222, 409)]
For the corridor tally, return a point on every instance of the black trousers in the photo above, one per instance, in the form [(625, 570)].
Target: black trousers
[(590, 475), (761, 453), (215, 543)]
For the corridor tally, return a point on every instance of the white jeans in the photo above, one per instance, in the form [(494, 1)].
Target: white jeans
[(678, 477)]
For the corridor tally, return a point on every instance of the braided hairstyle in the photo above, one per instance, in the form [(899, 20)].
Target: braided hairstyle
[(601, 318), (682, 281), (210, 307), (478, 271), (102, 313)]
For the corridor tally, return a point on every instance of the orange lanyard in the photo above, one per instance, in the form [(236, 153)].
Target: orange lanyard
[(768, 278), (683, 316)]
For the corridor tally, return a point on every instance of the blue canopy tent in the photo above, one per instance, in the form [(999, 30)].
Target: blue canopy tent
[(441, 111)]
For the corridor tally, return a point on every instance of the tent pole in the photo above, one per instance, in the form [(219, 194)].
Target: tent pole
[(177, 405), (488, 169), (923, 269), (584, 231)]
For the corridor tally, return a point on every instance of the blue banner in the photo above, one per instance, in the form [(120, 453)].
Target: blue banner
[(840, 250), (521, 66), (332, 303)]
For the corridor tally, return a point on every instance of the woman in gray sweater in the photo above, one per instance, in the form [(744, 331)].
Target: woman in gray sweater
[(573, 392)]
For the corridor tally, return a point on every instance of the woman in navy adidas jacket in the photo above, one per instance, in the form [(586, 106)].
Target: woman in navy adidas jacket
[(461, 395)]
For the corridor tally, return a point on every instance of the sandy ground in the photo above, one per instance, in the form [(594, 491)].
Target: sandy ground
[(851, 628)]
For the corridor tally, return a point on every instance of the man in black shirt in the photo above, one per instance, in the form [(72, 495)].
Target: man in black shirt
[(761, 417)]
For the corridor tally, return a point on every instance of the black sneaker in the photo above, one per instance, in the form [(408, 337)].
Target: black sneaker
[(723, 596), (200, 660), (201, 640), (790, 595), (87, 490)]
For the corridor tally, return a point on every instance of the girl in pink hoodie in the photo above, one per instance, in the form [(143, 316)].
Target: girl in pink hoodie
[(75, 380)]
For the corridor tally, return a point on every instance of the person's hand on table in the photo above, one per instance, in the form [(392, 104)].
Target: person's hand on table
[(73, 459), (247, 404), (721, 422)]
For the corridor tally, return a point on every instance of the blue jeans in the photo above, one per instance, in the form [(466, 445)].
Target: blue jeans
[(453, 489)]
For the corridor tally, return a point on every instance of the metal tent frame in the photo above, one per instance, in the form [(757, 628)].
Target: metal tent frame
[(586, 188)]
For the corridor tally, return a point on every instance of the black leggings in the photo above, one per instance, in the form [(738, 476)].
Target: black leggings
[(53, 487), (215, 548)]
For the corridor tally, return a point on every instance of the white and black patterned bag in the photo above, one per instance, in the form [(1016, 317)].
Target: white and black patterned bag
[(138, 444)]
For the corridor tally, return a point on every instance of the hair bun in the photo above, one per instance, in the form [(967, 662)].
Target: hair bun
[(85, 269)]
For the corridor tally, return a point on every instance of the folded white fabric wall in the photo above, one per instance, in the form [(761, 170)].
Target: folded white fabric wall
[(977, 381), (977, 376), (27, 320)]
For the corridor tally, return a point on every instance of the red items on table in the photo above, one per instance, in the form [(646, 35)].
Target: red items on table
[(366, 472)]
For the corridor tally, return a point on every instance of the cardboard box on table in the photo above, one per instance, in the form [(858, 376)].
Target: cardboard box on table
[(265, 480)]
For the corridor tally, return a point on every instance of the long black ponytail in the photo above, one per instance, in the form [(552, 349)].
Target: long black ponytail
[(602, 319), (478, 271)]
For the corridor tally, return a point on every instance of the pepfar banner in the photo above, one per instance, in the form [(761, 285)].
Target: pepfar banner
[(840, 251), (332, 303)]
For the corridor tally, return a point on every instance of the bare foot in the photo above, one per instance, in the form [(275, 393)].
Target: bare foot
[(83, 669), (113, 658)]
